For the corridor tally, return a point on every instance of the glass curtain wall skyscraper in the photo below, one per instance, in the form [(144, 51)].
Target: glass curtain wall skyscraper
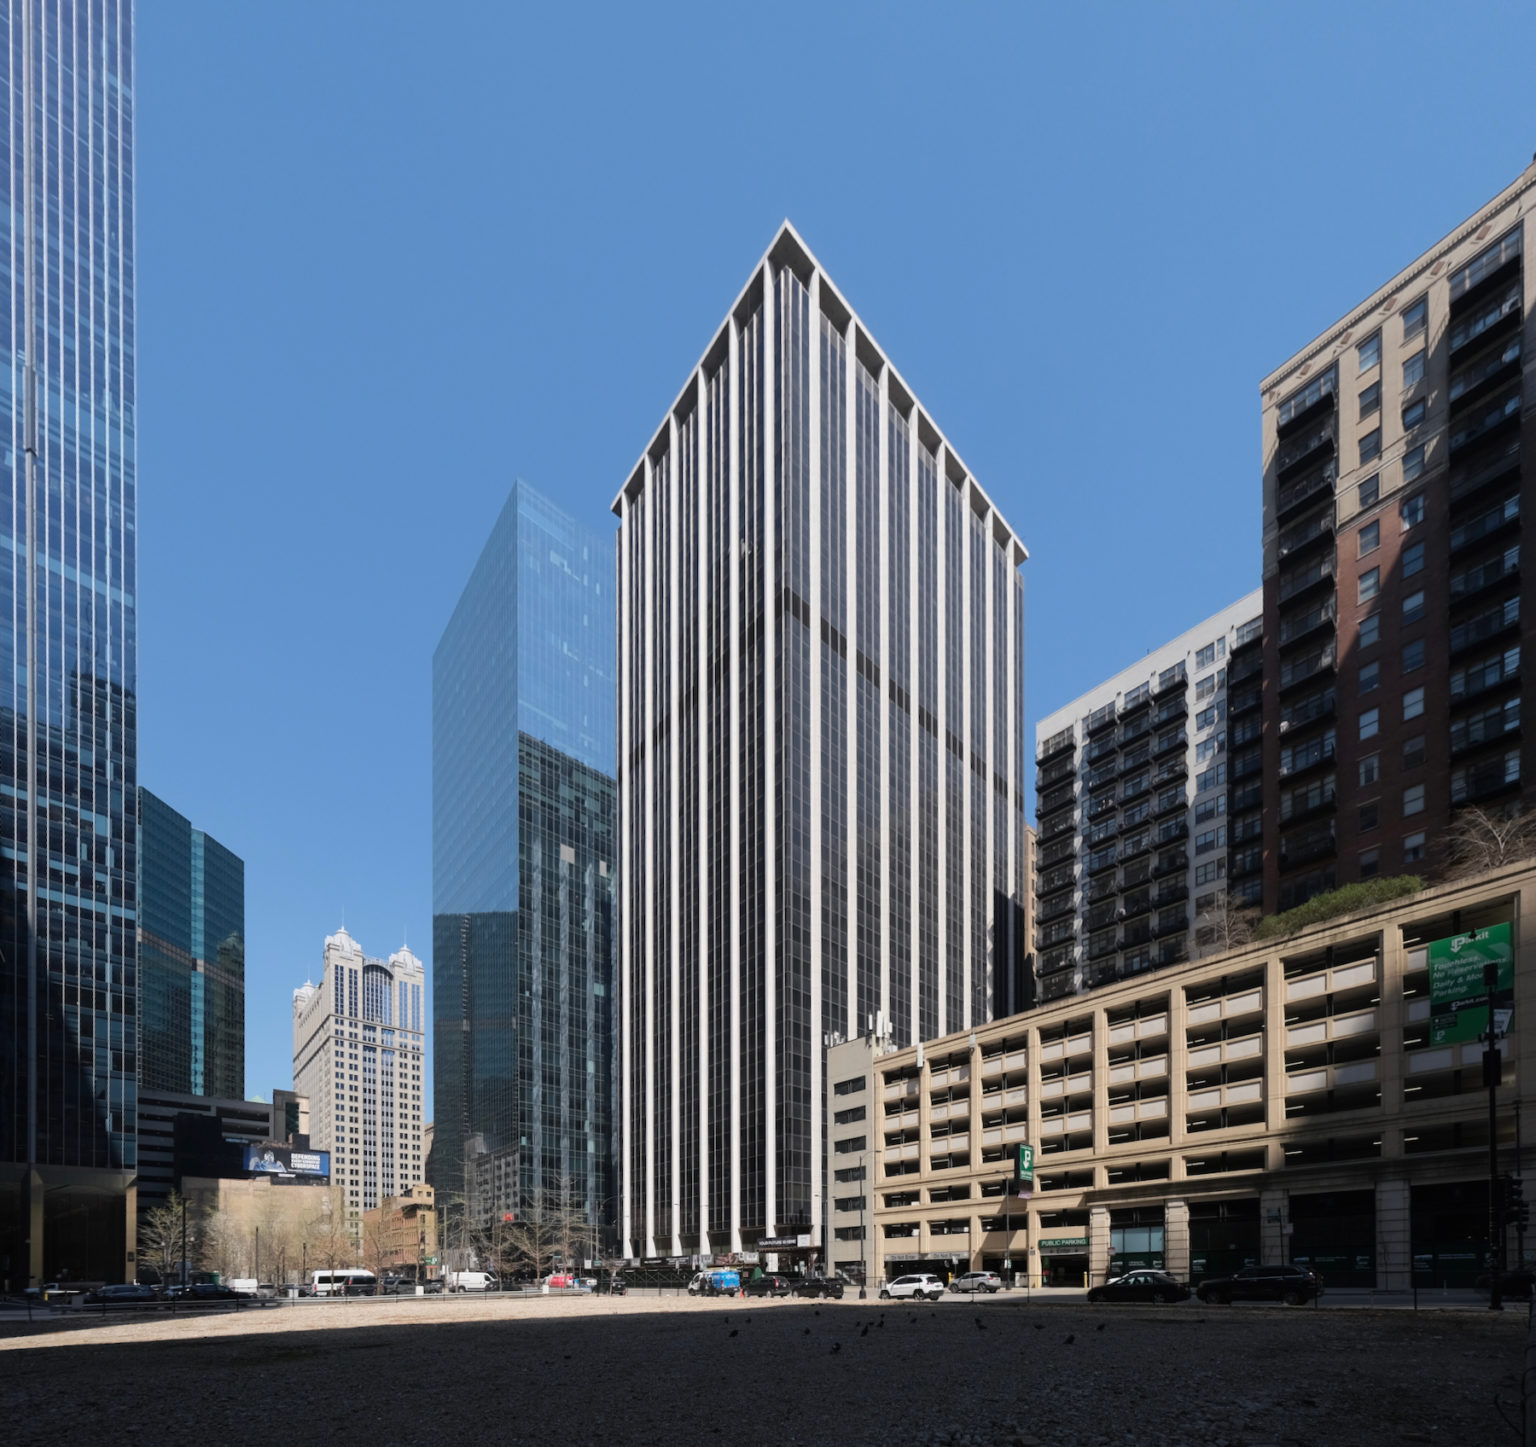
[(191, 957), (821, 745), (68, 753), (523, 872)]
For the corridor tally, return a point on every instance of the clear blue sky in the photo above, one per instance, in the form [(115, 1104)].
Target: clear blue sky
[(392, 255)]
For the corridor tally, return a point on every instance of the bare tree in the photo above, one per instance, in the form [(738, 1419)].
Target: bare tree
[(385, 1239), (1482, 839), (555, 1229), (1223, 925), (163, 1232), (224, 1245), (277, 1237), (331, 1242)]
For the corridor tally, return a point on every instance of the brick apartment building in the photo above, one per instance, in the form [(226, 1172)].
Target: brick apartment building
[(1386, 692)]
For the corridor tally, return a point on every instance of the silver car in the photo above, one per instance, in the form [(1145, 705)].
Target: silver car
[(988, 1281)]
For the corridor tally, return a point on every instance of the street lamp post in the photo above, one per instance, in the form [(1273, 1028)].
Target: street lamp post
[(1492, 1066), (864, 1242)]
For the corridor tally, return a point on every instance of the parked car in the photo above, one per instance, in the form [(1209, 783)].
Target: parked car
[(1144, 1285), (615, 1285), (917, 1287), (988, 1281), (433, 1286), (1513, 1285), (53, 1291), (819, 1286), (1295, 1285), (121, 1295), (211, 1291), (769, 1284), (394, 1285)]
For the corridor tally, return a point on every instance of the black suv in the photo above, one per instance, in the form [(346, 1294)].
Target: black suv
[(768, 1285), (831, 1286), (1294, 1285)]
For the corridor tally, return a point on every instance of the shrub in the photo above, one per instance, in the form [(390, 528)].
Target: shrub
[(1338, 902)]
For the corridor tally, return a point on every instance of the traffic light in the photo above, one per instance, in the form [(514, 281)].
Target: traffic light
[(1517, 1210)]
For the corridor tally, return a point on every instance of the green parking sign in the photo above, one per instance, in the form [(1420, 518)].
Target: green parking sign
[(1024, 1166), (1458, 997)]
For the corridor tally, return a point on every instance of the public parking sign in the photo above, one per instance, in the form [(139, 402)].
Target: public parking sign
[(1024, 1166), (1458, 998)]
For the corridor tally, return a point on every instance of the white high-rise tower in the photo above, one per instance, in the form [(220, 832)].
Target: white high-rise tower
[(359, 1055)]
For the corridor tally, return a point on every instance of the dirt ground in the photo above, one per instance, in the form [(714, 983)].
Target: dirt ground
[(673, 1371)]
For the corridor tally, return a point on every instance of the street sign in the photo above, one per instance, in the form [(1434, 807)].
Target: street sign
[(1458, 999), (1024, 1166)]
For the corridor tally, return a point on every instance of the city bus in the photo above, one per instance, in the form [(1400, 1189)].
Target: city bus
[(349, 1281)]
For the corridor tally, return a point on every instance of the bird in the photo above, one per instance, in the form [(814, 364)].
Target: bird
[(807, 1331), (1071, 1337), (881, 1323), (980, 1324), (865, 1332), (836, 1348), (1039, 1326), (911, 1321), (1101, 1326), (733, 1331), (818, 1311)]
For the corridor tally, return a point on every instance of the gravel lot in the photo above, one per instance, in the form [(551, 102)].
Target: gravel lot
[(651, 1370)]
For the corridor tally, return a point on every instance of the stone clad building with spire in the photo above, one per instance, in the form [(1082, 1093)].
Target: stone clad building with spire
[(359, 1055)]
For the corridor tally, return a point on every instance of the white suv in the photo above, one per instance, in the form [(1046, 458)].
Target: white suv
[(922, 1285)]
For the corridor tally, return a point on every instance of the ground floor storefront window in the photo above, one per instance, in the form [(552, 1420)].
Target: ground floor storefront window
[(1137, 1240), (1223, 1237), (1334, 1233), (1449, 1233)]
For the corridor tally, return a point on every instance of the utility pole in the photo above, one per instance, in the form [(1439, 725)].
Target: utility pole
[(1522, 1211), (1492, 1067)]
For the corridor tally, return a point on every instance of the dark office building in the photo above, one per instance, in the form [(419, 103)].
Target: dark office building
[(68, 643), (821, 760), (191, 958), (523, 872), (1388, 690)]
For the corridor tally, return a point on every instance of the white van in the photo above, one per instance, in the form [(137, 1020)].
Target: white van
[(471, 1281), (353, 1281)]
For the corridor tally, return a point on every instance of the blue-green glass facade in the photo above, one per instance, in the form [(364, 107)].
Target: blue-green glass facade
[(523, 869), (191, 957), (68, 755)]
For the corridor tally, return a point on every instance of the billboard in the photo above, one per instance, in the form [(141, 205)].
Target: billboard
[(1458, 998), (288, 1167)]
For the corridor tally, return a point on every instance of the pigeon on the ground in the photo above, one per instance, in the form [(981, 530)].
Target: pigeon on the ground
[(836, 1348), (980, 1324), (733, 1331), (1071, 1337)]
